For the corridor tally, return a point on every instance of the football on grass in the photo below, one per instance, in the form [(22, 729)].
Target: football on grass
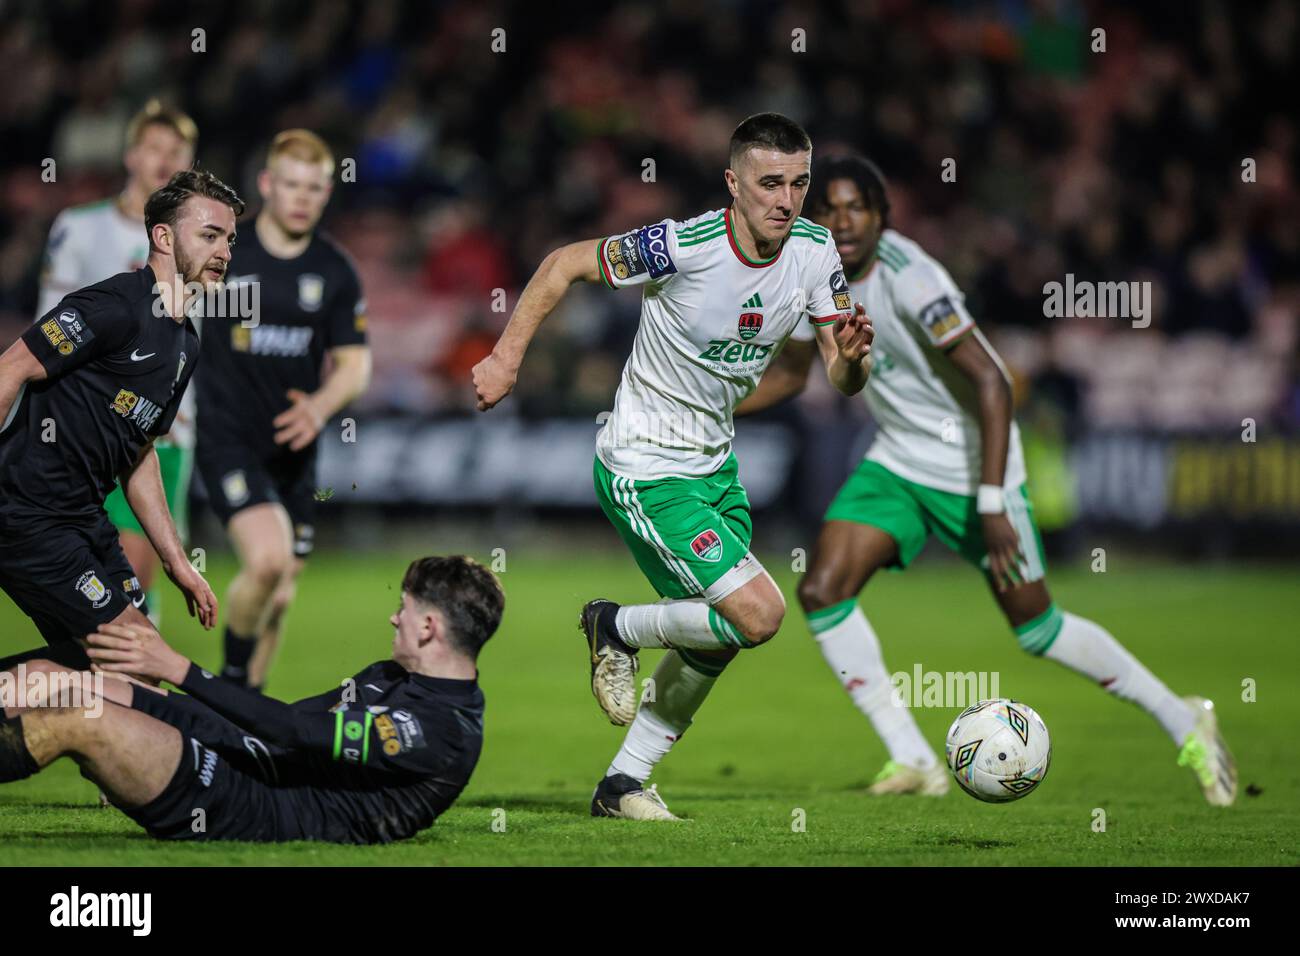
[(998, 750)]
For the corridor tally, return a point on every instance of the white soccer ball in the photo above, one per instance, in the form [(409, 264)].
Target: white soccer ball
[(998, 750)]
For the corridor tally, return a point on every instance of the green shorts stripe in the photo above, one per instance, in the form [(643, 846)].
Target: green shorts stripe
[(686, 534), (641, 524)]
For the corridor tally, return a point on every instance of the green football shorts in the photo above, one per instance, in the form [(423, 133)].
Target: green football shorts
[(909, 513), (690, 536), (176, 465)]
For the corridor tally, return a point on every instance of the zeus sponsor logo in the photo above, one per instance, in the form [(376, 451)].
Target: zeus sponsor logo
[(291, 341), (731, 352), (74, 909), (654, 248)]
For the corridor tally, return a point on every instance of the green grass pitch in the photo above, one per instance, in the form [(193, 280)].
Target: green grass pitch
[(779, 741)]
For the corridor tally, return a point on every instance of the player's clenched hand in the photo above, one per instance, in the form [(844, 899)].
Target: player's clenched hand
[(853, 334), (136, 649), (299, 424), (1004, 552), (200, 600), (494, 379)]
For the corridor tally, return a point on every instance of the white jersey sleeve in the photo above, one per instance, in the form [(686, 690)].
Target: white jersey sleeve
[(642, 256), (62, 270), (826, 292), (925, 295)]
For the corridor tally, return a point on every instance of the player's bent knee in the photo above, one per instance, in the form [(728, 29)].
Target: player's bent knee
[(820, 590), (268, 569), (763, 625)]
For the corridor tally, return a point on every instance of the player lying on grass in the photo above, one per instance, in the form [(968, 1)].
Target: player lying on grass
[(375, 760), (946, 461), (721, 294)]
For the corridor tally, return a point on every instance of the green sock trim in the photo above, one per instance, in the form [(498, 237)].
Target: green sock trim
[(1037, 636), (828, 617), (725, 631), (708, 666)]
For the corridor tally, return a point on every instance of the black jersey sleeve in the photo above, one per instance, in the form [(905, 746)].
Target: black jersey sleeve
[(351, 690), (84, 326), (346, 324), (398, 741)]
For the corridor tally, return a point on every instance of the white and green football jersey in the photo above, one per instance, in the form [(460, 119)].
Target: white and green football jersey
[(926, 409), (711, 321), (88, 244)]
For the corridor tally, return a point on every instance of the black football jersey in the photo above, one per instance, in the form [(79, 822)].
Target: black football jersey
[(302, 308), (118, 366)]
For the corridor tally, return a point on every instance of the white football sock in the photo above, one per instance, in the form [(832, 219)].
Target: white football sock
[(1089, 649), (679, 689), (852, 650), (690, 623)]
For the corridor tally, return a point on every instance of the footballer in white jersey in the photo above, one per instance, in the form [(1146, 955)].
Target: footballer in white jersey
[(946, 462), (721, 294), (93, 242)]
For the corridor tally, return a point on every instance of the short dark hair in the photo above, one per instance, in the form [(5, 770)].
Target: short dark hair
[(768, 131), (864, 174), (468, 595), (164, 205)]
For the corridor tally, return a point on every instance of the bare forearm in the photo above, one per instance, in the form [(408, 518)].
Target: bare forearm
[(847, 376), (348, 379), (995, 429), (545, 289), (143, 487)]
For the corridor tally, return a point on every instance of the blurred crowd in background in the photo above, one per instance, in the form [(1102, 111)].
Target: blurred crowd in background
[(1170, 157)]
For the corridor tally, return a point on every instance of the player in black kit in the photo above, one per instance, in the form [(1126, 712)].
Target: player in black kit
[(262, 400), (83, 395), (375, 760)]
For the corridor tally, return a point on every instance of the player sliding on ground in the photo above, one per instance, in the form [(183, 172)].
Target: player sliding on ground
[(721, 294), (947, 462), (374, 760)]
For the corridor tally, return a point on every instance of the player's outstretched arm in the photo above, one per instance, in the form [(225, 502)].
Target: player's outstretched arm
[(18, 366), (785, 378), (846, 349), (143, 487), (494, 377)]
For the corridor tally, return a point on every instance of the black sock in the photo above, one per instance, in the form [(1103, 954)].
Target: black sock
[(607, 618), (16, 761), (239, 651), (64, 653)]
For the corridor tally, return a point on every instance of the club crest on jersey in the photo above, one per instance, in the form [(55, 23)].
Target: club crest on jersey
[(749, 324), (311, 291), (707, 546), (93, 589), (125, 402)]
